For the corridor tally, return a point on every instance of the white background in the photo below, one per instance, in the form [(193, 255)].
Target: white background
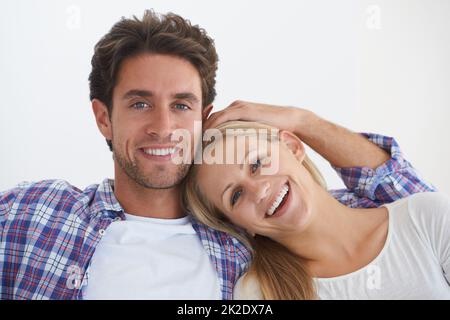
[(373, 66)]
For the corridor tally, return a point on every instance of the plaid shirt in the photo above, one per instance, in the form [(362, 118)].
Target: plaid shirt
[(50, 229)]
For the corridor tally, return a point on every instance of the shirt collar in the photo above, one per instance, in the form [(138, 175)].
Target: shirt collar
[(105, 200)]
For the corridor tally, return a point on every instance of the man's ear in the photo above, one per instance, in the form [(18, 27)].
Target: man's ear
[(293, 143), (102, 118), (206, 111)]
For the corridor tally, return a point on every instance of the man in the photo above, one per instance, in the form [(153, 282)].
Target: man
[(130, 237)]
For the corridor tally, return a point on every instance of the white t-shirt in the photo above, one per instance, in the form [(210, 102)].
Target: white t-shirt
[(413, 264), (148, 258)]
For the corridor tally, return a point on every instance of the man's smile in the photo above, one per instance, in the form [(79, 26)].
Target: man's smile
[(159, 153)]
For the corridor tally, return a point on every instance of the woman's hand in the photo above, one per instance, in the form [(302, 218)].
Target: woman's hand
[(284, 118)]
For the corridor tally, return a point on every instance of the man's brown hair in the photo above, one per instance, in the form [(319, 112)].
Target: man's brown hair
[(160, 34)]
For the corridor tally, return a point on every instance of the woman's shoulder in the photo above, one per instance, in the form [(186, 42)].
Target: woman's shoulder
[(428, 213), (247, 288), (428, 196), (423, 203), (436, 204)]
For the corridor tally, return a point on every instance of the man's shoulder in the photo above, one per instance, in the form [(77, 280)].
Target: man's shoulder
[(46, 184), (33, 191), (53, 195), (222, 241), (214, 235)]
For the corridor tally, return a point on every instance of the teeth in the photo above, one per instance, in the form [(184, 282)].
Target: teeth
[(278, 200), (160, 152)]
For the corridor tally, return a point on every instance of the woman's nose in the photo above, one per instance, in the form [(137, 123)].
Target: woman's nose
[(259, 190)]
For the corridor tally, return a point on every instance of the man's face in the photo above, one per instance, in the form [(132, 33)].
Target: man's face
[(154, 95)]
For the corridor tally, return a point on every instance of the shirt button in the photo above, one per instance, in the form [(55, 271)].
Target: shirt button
[(102, 232)]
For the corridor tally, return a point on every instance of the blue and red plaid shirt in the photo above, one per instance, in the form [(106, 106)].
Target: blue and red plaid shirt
[(50, 229)]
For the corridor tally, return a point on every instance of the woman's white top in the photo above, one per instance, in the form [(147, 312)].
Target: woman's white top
[(413, 264)]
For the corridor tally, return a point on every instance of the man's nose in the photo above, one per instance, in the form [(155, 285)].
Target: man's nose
[(160, 123)]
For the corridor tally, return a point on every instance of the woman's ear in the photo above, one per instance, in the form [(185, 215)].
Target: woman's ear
[(102, 118), (293, 143)]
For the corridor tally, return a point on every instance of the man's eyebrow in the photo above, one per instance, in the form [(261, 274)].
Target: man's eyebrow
[(137, 93), (146, 93), (186, 95)]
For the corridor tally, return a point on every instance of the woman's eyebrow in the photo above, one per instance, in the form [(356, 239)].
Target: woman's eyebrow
[(224, 191)]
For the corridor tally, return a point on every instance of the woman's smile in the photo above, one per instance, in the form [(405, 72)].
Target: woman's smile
[(281, 203)]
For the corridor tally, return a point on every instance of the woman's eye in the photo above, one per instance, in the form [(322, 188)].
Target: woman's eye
[(181, 106), (139, 105), (235, 197), (256, 165)]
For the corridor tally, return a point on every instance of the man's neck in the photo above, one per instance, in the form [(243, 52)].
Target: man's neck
[(145, 202)]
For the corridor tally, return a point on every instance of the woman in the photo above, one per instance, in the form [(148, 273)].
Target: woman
[(305, 244)]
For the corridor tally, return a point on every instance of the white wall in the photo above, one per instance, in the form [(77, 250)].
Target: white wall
[(377, 66)]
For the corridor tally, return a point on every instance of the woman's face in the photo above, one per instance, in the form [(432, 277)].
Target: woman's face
[(272, 205)]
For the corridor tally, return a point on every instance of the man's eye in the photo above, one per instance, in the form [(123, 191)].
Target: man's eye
[(256, 165), (181, 106), (235, 197), (139, 105)]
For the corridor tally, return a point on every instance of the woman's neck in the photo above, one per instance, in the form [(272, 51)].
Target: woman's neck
[(338, 239)]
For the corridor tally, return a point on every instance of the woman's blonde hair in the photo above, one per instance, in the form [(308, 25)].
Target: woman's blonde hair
[(280, 273)]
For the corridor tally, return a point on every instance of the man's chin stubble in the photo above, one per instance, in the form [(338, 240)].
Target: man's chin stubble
[(156, 180)]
